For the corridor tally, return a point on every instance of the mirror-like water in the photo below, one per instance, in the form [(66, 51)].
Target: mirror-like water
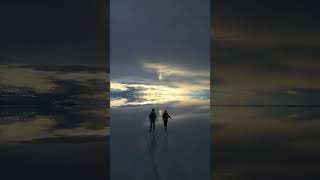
[(265, 143), (181, 152), (53, 142)]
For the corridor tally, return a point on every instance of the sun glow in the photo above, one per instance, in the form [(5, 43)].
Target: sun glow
[(152, 94), (165, 71)]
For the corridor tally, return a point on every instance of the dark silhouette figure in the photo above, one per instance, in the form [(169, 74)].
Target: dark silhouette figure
[(165, 117), (152, 117)]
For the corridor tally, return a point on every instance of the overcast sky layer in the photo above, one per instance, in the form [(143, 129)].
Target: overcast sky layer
[(53, 32), (265, 52), (160, 43), (53, 52)]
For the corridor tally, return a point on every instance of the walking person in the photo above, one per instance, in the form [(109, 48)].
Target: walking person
[(152, 117), (165, 117)]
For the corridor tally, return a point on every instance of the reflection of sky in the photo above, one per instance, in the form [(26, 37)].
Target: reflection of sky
[(60, 138), (23, 125), (181, 153), (265, 143)]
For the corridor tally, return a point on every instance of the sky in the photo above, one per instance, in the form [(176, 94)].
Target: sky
[(265, 52), (53, 50), (53, 57), (159, 48)]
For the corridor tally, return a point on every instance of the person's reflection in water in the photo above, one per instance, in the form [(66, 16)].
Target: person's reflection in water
[(153, 143), (153, 148), (165, 142)]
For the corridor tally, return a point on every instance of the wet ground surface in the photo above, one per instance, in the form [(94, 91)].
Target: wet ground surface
[(180, 153), (54, 142), (265, 143)]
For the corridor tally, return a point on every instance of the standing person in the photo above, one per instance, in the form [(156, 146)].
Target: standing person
[(152, 117), (165, 117)]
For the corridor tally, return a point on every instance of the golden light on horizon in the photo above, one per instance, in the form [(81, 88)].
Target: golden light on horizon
[(174, 85), (154, 94)]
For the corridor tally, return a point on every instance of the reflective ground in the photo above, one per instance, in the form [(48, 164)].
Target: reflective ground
[(53, 142), (180, 153), (265, 143)]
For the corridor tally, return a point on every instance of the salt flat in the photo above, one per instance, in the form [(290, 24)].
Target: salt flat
[(183, 152)]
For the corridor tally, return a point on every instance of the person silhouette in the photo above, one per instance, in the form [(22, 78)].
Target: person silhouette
[(165, 117), (152, 117)]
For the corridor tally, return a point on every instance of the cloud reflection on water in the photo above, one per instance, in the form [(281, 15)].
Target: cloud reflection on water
[(265, 143)]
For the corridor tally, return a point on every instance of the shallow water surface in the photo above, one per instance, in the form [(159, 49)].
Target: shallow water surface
[(183, 152), (54, 142), (265, 143)]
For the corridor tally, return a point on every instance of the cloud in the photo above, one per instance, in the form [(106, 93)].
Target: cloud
[(251, 60), (126, 94), (174, 84), (38, 123), (167, 71), (21, 84)]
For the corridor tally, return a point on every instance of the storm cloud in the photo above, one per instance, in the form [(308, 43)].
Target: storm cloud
[(265, 46), (164, 42)]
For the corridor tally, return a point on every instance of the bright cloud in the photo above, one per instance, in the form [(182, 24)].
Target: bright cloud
[(167, 71), (145, 94)]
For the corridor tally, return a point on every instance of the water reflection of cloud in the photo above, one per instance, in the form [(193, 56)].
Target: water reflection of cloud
[(247, 140), (15, 127)]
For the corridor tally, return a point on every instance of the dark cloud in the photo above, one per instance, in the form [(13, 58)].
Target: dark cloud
[(54, 66), (131, 94), (22, 96), (87, 117), (67, 68), (74, 87), (173, 33), (267, 15), (65, 92), (56, 85), (41, 40), (54, 32), (265, 46), (295, 96), (64, 117)]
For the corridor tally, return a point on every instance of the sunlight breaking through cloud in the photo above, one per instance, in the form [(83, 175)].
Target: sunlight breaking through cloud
[(145, 94), (174, 84), (167, 71)]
